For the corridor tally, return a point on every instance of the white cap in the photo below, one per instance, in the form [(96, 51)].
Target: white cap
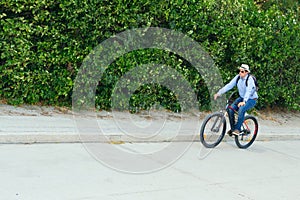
[(245, 67)]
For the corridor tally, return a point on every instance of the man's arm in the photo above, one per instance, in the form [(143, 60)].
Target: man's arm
[(249, 89), (226, 88)]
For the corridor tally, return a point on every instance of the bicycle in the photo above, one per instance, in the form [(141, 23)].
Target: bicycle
[(213, 128)]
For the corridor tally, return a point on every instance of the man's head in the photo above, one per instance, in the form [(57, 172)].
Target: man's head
[(244, 70)]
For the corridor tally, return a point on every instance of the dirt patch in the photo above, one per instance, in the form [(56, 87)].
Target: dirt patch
[(30, 110), (269, 117)]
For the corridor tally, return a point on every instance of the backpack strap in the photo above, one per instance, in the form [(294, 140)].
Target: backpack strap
[(247, 79), (237, 80)]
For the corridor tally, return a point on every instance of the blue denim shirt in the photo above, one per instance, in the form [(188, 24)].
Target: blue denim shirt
[(246, 92)]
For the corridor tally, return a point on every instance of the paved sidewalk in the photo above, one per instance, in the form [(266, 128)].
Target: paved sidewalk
[(57, 165), (31, 126), (268, 170)]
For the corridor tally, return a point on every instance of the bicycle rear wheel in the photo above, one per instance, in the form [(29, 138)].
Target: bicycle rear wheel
[(213, 130), (248, 132)]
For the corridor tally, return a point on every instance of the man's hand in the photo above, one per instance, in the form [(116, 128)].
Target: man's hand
[(216, 96), (241, 104)]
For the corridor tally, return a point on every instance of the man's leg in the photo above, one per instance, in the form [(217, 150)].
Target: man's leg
[(242, 110), (231, 112)]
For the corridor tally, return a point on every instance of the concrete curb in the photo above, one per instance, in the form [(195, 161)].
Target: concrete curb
[(119, 139)]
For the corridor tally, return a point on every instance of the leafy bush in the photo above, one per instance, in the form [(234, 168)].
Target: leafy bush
[(43, 44)]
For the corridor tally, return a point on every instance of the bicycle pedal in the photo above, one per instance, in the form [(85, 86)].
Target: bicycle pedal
[(229, 133)]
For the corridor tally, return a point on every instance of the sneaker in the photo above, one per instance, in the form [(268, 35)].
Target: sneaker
[(236, 132), (229, 133)]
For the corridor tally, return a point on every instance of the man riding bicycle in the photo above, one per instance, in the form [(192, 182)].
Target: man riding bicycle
[(247, 97)]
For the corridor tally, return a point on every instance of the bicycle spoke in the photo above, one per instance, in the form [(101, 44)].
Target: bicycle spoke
[(249, 132), (213, 130)]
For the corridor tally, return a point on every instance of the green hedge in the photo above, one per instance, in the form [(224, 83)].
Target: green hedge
[(43, 44)]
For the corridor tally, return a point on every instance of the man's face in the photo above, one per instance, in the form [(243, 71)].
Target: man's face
[(243, 72)]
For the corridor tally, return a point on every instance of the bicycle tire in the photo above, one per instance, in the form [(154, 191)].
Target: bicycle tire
[(245, 140), (211, 138)]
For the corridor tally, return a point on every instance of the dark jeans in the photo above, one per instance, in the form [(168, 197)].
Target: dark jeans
[(241, 112)]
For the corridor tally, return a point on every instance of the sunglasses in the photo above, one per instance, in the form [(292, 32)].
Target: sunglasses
[(242, 71)]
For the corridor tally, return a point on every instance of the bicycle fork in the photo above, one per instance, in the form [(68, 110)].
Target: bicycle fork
[(217, 124)]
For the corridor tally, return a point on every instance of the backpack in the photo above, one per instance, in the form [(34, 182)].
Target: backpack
[(254, 78)]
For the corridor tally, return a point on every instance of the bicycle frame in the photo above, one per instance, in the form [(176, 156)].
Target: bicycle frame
[(244, 130)]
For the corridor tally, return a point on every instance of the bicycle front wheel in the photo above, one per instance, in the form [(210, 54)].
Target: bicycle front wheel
[(248, 132), (213, 130)]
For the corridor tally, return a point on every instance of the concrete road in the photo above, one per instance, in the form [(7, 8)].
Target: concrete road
[(267, 170)]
